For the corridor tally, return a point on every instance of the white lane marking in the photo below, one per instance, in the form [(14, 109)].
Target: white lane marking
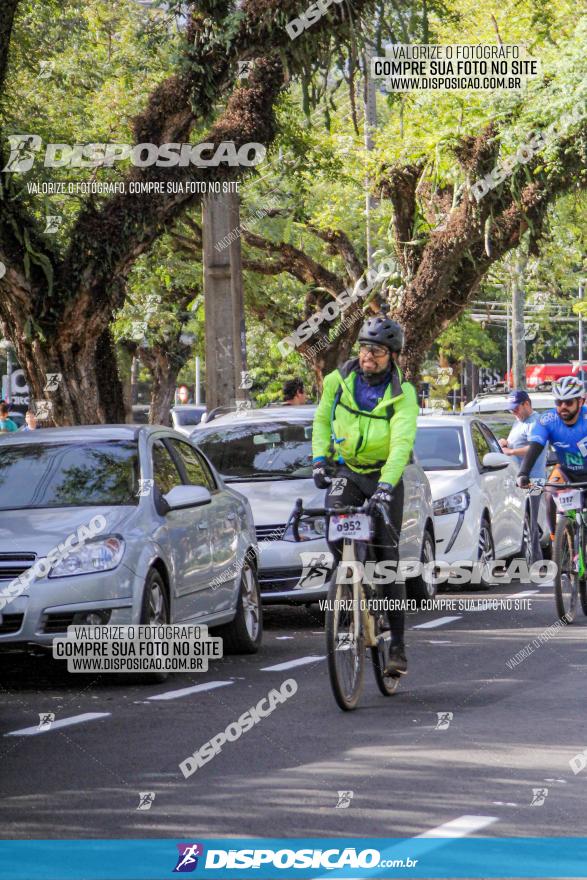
[(55, 725), (282, 638), (460, 827), (440, 621), (456, 828), (523, 594), (185, 692), (439, 642), (291, 664)]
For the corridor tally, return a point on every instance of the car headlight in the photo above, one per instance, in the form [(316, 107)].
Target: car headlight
[(93, 556), (456, 503), (310, 529)]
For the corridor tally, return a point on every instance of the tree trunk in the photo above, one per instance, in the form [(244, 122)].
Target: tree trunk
[(86, 388), (164, 379), (164, 362)]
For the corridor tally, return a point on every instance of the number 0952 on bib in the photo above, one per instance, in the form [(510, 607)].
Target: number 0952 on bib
[(356, 526)]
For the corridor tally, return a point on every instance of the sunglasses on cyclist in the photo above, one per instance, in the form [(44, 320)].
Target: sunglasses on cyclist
[(377, 351), (559, 403)]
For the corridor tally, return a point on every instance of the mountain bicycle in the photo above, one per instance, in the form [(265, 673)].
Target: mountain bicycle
[(569, 550), (353, 623)]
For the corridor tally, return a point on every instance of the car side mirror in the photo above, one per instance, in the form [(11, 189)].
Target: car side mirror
[(182, 497), (495, 460)]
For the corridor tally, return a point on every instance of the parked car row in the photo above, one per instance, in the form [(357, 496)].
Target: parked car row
[(195, 530), (460, 491)]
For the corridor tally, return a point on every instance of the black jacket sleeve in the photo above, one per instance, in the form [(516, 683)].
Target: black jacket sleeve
[(530, 459)]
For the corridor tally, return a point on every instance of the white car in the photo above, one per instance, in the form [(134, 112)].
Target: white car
[(484, 404), (267, 455), (185, 417), (479, 512)]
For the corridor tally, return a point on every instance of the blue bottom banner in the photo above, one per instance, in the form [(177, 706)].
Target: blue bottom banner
[(303, 858)]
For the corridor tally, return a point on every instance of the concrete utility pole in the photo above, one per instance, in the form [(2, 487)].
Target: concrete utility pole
[(222, 300), (517, 275)]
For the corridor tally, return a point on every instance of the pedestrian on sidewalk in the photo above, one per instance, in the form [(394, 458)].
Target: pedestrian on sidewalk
[(6, 423), (517, 444)]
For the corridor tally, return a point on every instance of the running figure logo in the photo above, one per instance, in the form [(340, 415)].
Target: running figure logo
[(188, 857), (444, 719), (539, 795), (316, 568), (46, 719), (146, 800), (344, 800)]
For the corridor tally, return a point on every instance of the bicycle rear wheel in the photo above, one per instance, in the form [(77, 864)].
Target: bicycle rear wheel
[(346, 648), (387, 684), (566, 580)]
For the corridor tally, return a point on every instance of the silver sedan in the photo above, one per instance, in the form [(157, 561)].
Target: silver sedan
[(121, 525)]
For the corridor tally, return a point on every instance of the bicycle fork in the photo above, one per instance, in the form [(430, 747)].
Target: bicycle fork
[(579, 543)]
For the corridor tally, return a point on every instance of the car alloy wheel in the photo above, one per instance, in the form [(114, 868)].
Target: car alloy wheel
[(250, 599), (157, 610)]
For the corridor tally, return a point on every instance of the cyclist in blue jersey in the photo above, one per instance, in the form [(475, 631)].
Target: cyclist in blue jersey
[(565, 428)]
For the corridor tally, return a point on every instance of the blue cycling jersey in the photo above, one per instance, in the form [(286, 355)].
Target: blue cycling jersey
[(569, 441)]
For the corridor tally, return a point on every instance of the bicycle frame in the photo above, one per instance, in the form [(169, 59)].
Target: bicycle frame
[(577, 517), (361, 613)]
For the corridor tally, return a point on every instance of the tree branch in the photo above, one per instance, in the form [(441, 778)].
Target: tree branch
[(345, 248), (297, 263)]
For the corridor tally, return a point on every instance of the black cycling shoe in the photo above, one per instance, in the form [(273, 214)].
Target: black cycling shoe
[(397, 663)]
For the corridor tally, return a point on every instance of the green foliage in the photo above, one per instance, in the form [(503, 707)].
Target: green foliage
[(466, 340)]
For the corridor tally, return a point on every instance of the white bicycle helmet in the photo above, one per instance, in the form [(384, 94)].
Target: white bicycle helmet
[(568, 388)]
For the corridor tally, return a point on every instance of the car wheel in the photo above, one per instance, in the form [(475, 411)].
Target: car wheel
[(243, 635), (154, 611), (526, 549), (421, 588), (485, 552)]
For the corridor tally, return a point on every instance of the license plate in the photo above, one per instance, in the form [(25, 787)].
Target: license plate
[(569, 500), (357, 526)]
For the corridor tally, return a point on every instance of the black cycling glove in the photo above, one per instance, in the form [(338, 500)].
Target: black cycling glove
[(320, 475), (383, 494)]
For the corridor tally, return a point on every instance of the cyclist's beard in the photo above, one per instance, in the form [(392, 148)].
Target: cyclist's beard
[(372, 378), (569, 415)]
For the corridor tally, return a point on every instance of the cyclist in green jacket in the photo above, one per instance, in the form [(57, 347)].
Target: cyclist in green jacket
[(363, 434)]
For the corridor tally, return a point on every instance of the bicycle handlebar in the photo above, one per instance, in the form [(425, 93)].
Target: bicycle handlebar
[(557, 485), (299, 512)]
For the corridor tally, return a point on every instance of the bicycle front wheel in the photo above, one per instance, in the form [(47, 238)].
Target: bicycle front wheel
[(566, 580), (345, 643), (387, 684)]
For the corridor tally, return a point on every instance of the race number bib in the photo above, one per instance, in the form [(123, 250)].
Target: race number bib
[(356, 526), (568, 500)]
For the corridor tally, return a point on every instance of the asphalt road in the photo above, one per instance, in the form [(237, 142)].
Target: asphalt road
[(513, 730)]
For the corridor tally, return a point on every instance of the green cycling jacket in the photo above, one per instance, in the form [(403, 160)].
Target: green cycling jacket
[(383, 438)]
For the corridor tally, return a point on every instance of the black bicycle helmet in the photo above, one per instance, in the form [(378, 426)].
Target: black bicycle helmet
[(382, 331)]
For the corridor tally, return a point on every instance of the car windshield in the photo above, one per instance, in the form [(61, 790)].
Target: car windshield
[(35, 475), (440, 449), (267, 451), (185, 417)]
